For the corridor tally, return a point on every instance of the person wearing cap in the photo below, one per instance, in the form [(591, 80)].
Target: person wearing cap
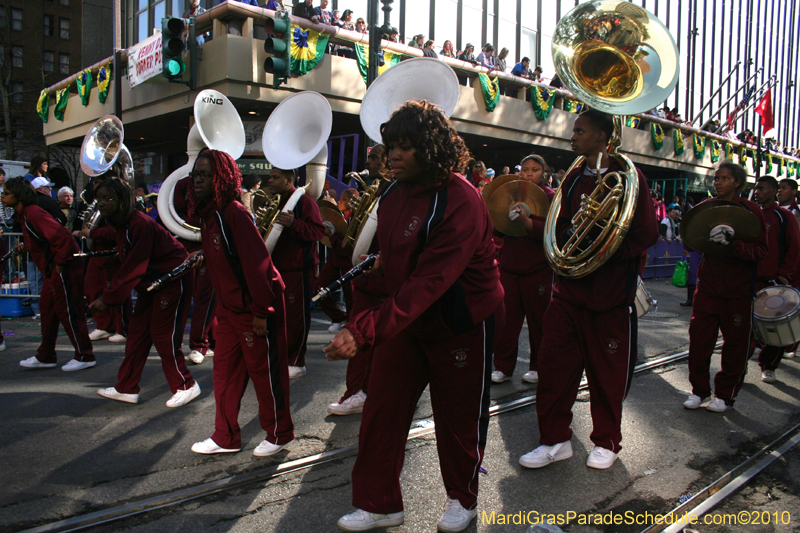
[(669, 226), (517, 169), (43, 186)]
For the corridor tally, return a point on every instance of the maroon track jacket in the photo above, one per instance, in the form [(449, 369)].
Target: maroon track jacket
[(782, 257), (49, 242), (296, 248)]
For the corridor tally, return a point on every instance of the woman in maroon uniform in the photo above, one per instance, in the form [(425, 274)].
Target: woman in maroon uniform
[(527, 281), (251, 327), (52, 248), (146, 252), (723, 301), (436, 328)]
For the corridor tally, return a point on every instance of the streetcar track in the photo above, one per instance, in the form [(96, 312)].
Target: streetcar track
[(193, 492)]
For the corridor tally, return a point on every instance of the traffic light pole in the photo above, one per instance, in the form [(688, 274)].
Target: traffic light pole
[(375, 35)]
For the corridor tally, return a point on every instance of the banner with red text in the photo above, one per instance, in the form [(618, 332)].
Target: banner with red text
[(144, 60)]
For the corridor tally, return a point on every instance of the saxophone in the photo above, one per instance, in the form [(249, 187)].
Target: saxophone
[(362, 207)]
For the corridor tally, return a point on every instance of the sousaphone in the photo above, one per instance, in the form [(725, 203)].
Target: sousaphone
[(421, 78), (620, 59), (217, 126)]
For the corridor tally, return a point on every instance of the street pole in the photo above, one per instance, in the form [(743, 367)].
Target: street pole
[(376, 33)]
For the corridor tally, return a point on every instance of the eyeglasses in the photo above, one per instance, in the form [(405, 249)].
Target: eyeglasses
[(106, 200), (201, 175)]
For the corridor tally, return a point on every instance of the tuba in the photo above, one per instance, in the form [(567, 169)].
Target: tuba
[(620, 59), (217, 126), (102, 147), (296, 134), (398, 85)]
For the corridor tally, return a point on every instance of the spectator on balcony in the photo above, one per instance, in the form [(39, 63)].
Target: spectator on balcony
[(337, 18), (556, 82), (428, 50), (468, 54), (523, 69), (500, 62), (275, 5), (485, 58), (304, 10), (361, 26), (192, 11), (418, 41), (394, 36), (447, 50), (323, 15)]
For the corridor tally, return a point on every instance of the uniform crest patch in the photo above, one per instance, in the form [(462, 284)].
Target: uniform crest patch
[(460, 356), (217, 241), (412, 226), (164, 302), (612, 345), (249, 339)]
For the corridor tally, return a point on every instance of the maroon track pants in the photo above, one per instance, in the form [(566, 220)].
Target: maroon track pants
[(327, 275), (158, 319), (241, 356), (116, 318), (203, 306), (526, 296), (603, 344), (299, 284), (62, 302), (458, 371), (711, 315)]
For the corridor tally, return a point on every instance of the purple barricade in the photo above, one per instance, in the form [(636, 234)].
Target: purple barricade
[(661, 259)]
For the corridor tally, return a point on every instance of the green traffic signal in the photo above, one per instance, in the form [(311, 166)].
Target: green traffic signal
[(172, 47)]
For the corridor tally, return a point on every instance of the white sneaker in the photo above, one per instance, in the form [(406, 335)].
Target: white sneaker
[(266, 448), (499, 377), (717, 405), (693, 402), (532, 376), (296, 371), (3, 346), (99, 334), (789, 355), (544, 455), (117, 337), (336, 327), (182, 397), (74, 365), (32, 362), (768, 376), (196, 357), (209, 353), (112, 394), (209, 447), (352, 405), (455, 517), (364, 521), (601, 458)]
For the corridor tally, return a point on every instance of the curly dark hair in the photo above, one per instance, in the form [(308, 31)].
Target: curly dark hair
[(22, 189), (227, 179), (738, 171), (120, 190), (439, 148)]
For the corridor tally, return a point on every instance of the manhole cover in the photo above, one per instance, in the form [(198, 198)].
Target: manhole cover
[(659, 314)]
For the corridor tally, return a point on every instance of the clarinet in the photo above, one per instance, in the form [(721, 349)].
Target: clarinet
[(176, 272), (13, 253), (100, 253), (355, 272)]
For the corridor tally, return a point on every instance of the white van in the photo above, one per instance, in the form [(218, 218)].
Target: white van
[(15, 169)]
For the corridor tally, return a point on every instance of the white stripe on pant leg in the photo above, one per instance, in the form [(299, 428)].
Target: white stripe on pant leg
[(172, 337), (480, 413), (69, 314)]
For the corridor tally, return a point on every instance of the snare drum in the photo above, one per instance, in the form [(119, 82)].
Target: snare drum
[(776, 315), (643, 299)]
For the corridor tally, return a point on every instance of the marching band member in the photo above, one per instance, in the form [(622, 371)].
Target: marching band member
[(787, 198), (436, 328), (781, 262), (52, 249), (527, 281), (146, 252), (368, 291), (251, 329), (203, 298), (591, 320), (723, 301), (295, 257)]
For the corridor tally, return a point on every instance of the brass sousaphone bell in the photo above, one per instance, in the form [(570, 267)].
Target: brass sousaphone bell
[(620, 59)]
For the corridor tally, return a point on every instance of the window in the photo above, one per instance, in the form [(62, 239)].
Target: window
[(16, 56), (16, 19), (48, 60), (19, 128), (49, 25), (63, 2), (3, 20), (63, 63), (17, 95), (177, 8), (63, 28), (417, 20)]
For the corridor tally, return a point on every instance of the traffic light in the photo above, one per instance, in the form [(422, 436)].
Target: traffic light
[(279, 46), (172, 47)]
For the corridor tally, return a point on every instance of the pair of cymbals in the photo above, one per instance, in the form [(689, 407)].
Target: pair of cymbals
[(505, 191), (697, 224), (330, 213)]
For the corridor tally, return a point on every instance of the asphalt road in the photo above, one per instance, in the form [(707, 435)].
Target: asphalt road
[(67, 451)]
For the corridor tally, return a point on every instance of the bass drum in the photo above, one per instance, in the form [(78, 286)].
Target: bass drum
[(643, 300), (776, 315)]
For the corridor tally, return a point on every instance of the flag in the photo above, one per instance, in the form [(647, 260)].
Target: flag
[(764, 108), (308, 48), (62, 98), (103, 81), (491, 91), (42, 106), (715, 148), (84, 82), (657, 134), (678, 138), (390, 59), (699, 146), (745, 99), (542, 101)]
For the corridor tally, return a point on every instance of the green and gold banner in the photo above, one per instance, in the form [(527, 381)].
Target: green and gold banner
[(633, 122), (715, 146), (390, 59), (84, 82), (742, 155), (308, 49), (491, 91), (780, 166), (542, 101), (728, 152), (699, 146), (42, 106), (62, 98), (657, 133), (753, 160), (574, 106), (769, 163), (103, 82), (678, 138)]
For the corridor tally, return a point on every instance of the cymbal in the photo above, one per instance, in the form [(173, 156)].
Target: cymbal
[(489, 188), (330, 213), (699, 221), (510, 193)]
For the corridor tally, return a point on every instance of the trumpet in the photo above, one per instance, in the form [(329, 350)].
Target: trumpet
[(175, 273), (355, 272)]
